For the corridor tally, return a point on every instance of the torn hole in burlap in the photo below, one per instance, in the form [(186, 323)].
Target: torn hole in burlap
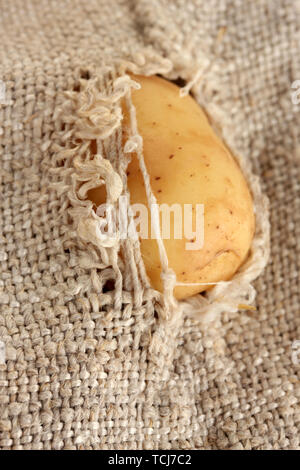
[(92, 117)]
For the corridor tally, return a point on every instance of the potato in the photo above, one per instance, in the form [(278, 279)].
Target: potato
[(188, 164)]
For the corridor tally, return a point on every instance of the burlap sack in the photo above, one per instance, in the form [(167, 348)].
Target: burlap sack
[(92, 357)]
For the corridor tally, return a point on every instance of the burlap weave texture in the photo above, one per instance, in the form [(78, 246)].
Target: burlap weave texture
[(79, 372)]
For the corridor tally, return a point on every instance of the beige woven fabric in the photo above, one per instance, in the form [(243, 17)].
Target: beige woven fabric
[(90, 364)]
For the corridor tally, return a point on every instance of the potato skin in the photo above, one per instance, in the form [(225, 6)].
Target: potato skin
[(188, 164)]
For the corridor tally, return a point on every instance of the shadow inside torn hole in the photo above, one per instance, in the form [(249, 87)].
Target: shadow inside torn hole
[(178, 81)]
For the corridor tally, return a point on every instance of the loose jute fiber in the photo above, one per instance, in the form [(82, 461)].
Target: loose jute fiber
[(91, 357)]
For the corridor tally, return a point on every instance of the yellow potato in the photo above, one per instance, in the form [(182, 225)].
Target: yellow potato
[(188, 164)]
